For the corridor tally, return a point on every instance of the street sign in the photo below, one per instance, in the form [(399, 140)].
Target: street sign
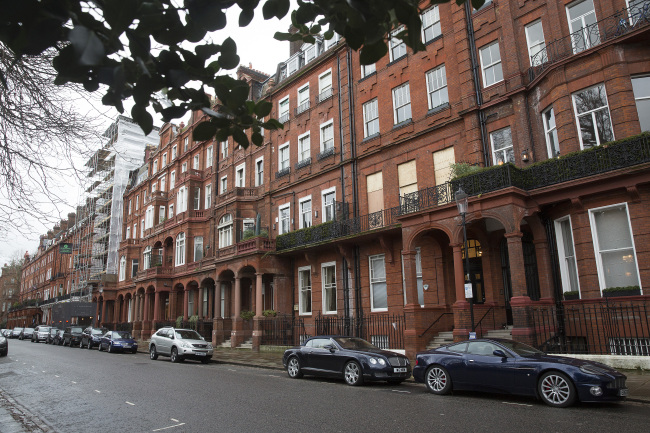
[(468, 290), (65, 248)]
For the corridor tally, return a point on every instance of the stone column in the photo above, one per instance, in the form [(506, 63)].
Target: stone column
[(259, 305), (210, 312), (146, 307), (97, 313), (186, 299), (156, 306), (237, 297), (217, 321), (544, 270), (103, 311), (522, 325), (410, 278), (199, 310)]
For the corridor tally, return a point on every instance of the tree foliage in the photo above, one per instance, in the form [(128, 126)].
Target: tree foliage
[(111, 43)]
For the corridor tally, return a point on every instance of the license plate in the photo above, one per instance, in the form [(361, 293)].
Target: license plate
[(127, 346), (623, 392), (200, 354), (399, 370)]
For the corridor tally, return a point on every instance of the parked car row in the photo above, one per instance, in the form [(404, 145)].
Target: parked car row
[(488, 365), (77, 336)]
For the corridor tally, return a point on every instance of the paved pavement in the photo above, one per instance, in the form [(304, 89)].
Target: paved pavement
[(638, 381)]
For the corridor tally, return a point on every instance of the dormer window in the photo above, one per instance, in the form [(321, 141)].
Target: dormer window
[(311, 51), (293, 64)]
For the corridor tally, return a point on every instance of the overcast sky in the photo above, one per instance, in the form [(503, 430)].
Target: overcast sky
[(255, 46)]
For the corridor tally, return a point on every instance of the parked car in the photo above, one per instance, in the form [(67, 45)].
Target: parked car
[(16, 332), (92, 336), (72, 336), (40, 333), (58, 337), (118, 341), (27, 333), (4, 345), (352, 358), (506, 366), (51, 335), (180, 344), (6, 333)]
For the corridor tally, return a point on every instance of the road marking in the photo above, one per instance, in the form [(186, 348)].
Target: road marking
[(129, 403), (42, 371), (73, 382), (98, 392), (230, 369), (171, 426), (173, 419), (270, 375), (517, 404), (56, 375), (24, 363), (397, 390)]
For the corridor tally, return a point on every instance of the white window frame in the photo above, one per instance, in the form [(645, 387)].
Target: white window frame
[(259, 174), (371, 118), (198, 242), (437, 87), (375, 280), (224, 184), (225, 229), (284, 107), (326, 143), (170, 210), (396, 47), (397, 96), (281, 228), (325, 85), (310, 51), (283, 150), (304, 146), (164, 160), (148, 217), (431, 20), (208, 196), (186, 143), (303, 98), (163, 182), (209, 155), (582, 26), (184, 167), (535, 47), (128, 232), (302, 291), (503, 150), (172, 179), (180, 249), (598, 252), (174, 152), (592, 113), (146, 258), (562, 257), (305, 218), (197, 198), (224, 149), (196, 162), (644, 97), (550, 132), (493, 66), (367, 70), (122, 276), (161, 214), (324, 205), (240, 175), (154, 169), (326, 287), (181, 200)]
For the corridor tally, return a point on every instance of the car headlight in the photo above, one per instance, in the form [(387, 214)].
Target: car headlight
[(209, 346), (592, 369), (381, 361), (186, 344)]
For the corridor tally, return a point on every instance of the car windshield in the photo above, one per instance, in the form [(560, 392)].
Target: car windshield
[(75, 330), (29, 329), (53, 331), (99, 331), (520, 348), (352, 343), (121, 335), (185, 334), (17, 329)]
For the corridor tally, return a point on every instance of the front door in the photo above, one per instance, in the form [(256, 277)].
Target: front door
[(507, 283)]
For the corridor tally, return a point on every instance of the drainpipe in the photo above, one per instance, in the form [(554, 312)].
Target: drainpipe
[(477, 86), (346, 285)]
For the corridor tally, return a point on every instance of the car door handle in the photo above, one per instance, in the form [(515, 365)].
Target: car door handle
[(471, 360)]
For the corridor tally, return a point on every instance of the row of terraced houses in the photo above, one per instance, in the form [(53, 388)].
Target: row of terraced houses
[(345, 221)]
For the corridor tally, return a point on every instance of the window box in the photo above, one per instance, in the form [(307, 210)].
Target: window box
[(612, 292), (570, 296)]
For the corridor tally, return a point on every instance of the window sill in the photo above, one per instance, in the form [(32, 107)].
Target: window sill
[(438, 109), (403, 124), (433, 40), (492, 85), (367, 76), (371, 138), (392, 62)]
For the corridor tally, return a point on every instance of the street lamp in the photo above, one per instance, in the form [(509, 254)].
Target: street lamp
[(461, 201)]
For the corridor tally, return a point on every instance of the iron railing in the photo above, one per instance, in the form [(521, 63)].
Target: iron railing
[(284, 172), (480, 325), (282, 330), (385, 331), (125, 326), (614, 26), (602, 329), (203, 327), (304, 163), (336, 229)]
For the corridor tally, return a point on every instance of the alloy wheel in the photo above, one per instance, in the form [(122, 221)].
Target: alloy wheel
[(352, 373), (556, 390), (437, 380)]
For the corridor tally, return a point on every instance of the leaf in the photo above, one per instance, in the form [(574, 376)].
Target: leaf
[(173, 112), (257, 139), (207, 50), (240, 137), (204, 131), (142, 117), (89, 50), (371, 53), (246, 16), (280, 36), (119, 14), (263, 108)]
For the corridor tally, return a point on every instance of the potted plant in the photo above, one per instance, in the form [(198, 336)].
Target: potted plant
[(621, 291), (193, 322), (247, 314), (179, 322), (571, 295), (269, 313)]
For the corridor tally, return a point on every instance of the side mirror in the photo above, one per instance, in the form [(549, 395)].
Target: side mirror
[(500, 353), (329, 347)]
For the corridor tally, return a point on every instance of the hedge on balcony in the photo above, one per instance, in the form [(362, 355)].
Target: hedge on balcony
[(307, 235)]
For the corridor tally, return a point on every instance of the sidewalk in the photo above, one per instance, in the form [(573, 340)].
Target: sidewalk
[(638, 381)]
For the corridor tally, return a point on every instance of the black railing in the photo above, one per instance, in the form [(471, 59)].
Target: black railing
[(283, 172), (203, 327), (603, 329), (304, 163), (479, 324), (433, 323), (327, 153), (385, 331), (614, 26), (598, 160), (336, 229), (325, 94), (282, 331)]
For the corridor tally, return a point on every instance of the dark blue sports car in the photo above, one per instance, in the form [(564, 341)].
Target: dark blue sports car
[(352, 358), (118, 341), (506, 366)]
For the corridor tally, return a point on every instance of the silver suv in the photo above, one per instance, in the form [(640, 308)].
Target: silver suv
[(40, 333), (180, 344)]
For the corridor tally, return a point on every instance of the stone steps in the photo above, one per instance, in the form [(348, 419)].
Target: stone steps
[(441, 339), (500, 333)]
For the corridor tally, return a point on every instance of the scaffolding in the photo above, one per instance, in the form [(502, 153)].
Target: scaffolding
[(98, 230)]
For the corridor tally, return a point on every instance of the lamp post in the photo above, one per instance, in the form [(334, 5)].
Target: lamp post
[(461, 202)]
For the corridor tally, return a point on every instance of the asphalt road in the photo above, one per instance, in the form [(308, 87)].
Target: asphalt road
[(77, 390)]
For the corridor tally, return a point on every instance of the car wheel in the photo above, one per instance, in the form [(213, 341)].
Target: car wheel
[(153, 355), (90, 346), (174, 355), (134, 351), (352, 374), (293, 368), (556, 389), (437, 380), (110, 348)]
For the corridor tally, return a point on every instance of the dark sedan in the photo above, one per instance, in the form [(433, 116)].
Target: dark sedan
[(72, 336), (506, 366), (51, 335), (118, 341), (92, 336), (352, 358), (4, 345), (58, 337)]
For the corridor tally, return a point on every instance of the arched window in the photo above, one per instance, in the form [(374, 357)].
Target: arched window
[(225, 231), (180, 249), (122, 268), (146, 263)]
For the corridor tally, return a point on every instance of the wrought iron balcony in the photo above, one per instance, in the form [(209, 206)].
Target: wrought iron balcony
[(283, 172), (304, 163), (284, 118), (614, 26), (325, 94), (327, 153), (337, 229), (611, 156), (302, 108)]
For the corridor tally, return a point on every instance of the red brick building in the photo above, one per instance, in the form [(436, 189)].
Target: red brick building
[(345, 221)]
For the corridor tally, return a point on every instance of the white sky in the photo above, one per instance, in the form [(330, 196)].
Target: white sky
[(255, 46)]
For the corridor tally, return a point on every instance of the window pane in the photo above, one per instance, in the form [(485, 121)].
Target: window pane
[(613, 229), (379, 295), (587, 131), (590, 99), (619, 268)]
